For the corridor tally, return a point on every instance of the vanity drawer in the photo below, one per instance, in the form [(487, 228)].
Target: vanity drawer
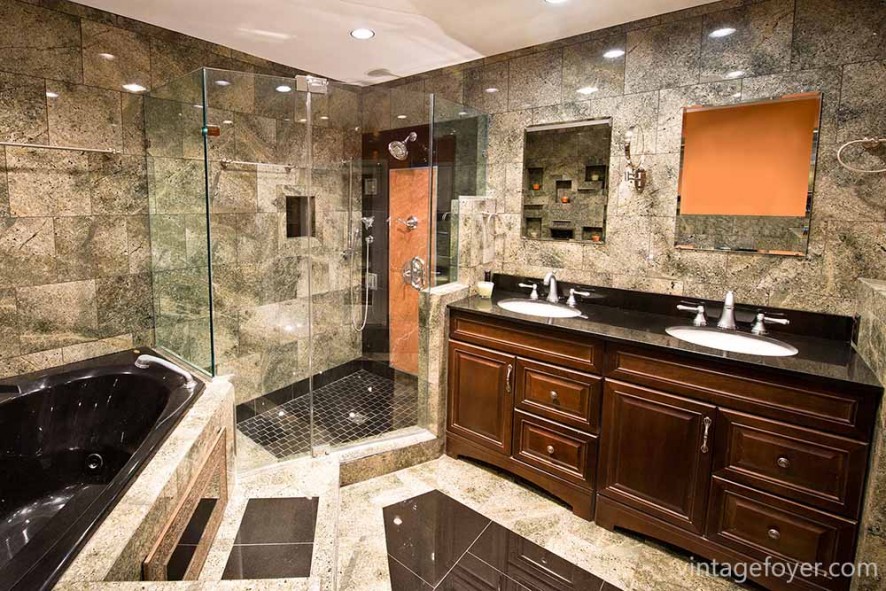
[(811, 467), (546, 344), (761, 525), (558, 450), (801, 401), (562, 395)]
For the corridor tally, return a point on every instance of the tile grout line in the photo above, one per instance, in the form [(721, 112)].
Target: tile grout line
[(468, 549)]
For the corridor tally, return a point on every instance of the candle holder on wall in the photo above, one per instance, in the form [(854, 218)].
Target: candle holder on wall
[(635, 172)]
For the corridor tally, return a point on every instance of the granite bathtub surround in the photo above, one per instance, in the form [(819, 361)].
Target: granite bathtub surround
[(872, 346), (75, 241), (117, 548), (780, 47)]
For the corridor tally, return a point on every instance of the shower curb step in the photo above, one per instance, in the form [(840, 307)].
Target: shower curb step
[(370, 460)]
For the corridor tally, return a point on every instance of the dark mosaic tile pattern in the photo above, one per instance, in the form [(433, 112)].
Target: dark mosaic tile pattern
[(438, 544), (355, 407)]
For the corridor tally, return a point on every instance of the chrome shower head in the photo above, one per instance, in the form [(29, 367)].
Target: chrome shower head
[(399, 150)]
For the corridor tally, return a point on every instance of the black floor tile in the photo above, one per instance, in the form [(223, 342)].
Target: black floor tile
[(278, 521), (403, 579), (179, 562), (530, 564), (269, 561), (429, 533), (360, 405), (471, 573)]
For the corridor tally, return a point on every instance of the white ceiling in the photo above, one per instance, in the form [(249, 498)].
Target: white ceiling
[(413, 36)]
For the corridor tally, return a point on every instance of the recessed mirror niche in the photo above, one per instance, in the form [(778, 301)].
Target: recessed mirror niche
[(746, 175), (566, 181)]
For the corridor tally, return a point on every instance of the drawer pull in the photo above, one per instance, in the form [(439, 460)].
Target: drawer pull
[(508, 379), (783, 462), (707, 431), (554, 396), (551, 450), (774, 533)]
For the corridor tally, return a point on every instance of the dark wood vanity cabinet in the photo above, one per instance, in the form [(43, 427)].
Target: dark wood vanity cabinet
[(731, 462)]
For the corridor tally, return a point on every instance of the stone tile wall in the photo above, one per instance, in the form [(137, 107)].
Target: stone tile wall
[(75, 251), (780, 46)]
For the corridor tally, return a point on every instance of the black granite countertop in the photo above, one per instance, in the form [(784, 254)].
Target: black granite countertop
[(817, 357)]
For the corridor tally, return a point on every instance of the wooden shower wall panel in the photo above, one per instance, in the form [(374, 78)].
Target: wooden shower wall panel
[(408, 196)]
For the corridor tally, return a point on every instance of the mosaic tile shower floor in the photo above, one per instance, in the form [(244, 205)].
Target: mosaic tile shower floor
[(355, 407)]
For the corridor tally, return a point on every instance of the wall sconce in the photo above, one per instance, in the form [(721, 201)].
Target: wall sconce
[(635, 172)]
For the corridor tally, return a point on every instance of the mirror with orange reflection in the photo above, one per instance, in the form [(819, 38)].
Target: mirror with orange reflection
[(746, 175)]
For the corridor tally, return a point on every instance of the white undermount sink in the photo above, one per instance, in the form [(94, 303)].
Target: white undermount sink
[(538, 308), (733, 341)]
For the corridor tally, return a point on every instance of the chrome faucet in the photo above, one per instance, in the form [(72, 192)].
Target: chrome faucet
[(759, 327), (146, 361), (551, 280), (727, 316)]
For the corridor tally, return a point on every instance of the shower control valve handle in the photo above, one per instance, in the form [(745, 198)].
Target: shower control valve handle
[(411, 222)]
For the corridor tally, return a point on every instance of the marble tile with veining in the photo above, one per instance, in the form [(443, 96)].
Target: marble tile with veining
[(113, 57), (52, 47), (663, 56), (486, 87), (833, 33), (83, 116), (22, 109), (587, 73), (535, 80)]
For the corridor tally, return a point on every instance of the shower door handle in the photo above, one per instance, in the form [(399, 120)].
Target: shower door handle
[(414, 273)]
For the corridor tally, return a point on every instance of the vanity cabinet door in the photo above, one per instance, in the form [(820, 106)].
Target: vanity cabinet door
[(656, 453), (481, 395)]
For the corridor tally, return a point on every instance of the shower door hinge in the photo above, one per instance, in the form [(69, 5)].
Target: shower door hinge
[(311, 84)]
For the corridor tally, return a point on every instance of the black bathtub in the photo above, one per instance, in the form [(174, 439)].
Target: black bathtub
[(72, 439)]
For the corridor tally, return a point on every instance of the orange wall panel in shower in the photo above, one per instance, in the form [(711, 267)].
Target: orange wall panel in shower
[(749, 160), (408, 196)]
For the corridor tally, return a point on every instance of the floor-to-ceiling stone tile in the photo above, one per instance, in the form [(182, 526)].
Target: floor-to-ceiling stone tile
[(113, 57), (833, 33), (233, 189), (84, 117), (22, 109), (447, 85), (177, 185), (52, 316), (588, 74), (535, 80), (663, 56), (118, 184), (133, 118), (27, 251), (862, 111), (51, 48), (486, 87), (841, 194), (410, 105), (47, 182), (138, 243), (124, 304), (761, 43), (171, 61), (672, 101), (9, 346)]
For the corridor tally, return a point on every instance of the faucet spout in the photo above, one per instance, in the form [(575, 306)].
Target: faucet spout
[(727, 316), (145, 361), (553, 295)]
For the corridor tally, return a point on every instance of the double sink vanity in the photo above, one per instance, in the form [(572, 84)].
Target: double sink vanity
[(620, 405)]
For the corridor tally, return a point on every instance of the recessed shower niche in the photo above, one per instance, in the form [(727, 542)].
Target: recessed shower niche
[(565, 181)]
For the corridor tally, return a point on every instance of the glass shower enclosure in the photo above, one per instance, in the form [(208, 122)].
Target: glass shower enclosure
[(290, 239)]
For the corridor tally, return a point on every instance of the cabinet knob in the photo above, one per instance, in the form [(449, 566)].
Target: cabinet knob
[(783, 462), (550, 450), (774, 533), (554, 396)]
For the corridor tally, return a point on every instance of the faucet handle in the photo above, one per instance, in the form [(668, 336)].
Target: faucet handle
[(700, 318), (759, 327), (534, 287), (571, 302)]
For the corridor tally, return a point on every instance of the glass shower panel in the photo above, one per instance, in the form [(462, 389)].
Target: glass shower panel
[(459, 169), (177, 207), (262, 234)]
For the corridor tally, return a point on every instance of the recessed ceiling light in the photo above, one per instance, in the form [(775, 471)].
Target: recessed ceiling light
[(362, 34), (132, 87), (587, 90), (613, 53), (227, 122), (401, 116), (107, 56), (735, 74), (556, 1), (50, 94), (283, 88), (721, 32), (222, 83), (491, 90)]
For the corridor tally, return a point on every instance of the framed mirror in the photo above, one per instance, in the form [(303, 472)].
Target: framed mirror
[(747, 173), (566, 181)]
